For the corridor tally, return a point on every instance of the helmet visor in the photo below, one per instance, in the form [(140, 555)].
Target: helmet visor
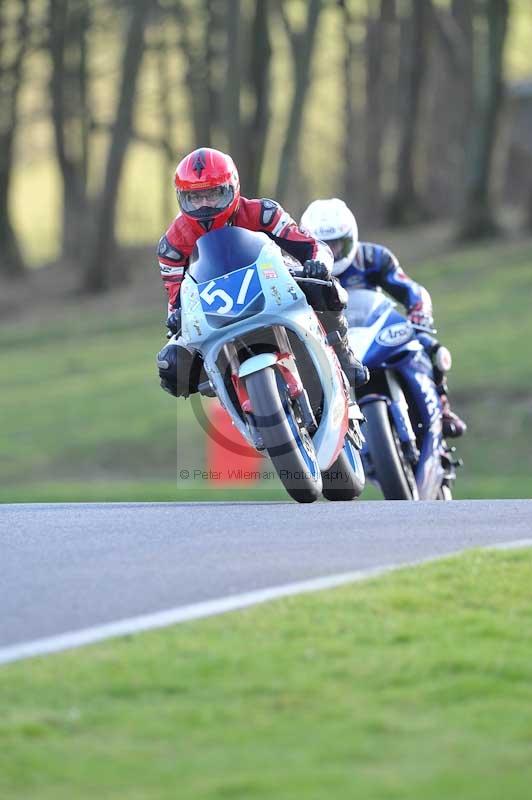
[(208, 202), (340, 247)]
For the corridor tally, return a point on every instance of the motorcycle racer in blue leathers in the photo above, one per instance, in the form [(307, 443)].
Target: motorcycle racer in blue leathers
[(370, 266)]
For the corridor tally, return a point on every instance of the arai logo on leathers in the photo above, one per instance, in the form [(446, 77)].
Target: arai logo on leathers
[(394, 335)]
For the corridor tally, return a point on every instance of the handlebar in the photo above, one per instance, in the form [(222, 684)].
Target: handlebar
[(311, 280), (423, 329)]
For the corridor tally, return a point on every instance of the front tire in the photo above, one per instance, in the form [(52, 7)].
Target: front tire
[(383, 450), (290, 447), (341, 481), (445, 493)]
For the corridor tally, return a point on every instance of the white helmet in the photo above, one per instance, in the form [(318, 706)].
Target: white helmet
[(333, 223)]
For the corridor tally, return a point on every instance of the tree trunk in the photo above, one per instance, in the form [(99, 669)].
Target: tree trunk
[(203, 56), (11, 261), (478, 220), (13, 47), (69, 21), (404, 205), (448, 116), (168, 123), (302, 45), (196, 74), (253, 142), (98, 272), (377, 51), (214, 55), (352, 175), (231, 111), (463, 113)]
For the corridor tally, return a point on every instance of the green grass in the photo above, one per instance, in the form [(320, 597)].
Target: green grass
[(83, 402), (123, 491), (83, 416), (140, 491), (481, 300), (482, 297), (416, 685)]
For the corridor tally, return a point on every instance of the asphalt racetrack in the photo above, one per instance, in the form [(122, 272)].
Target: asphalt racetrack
[(65, 568)]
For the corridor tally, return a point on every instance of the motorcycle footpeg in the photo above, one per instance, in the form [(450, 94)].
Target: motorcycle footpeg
[(449, 455), (451, 459)]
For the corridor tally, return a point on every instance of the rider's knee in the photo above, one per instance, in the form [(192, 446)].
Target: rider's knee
[(441, 362), (335, 297), (442, 359)]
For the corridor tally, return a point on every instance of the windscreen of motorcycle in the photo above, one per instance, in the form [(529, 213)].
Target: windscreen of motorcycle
[(225, 250), (365, 306)]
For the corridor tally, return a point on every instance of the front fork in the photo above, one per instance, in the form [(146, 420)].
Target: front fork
[(401, 417), (287, 366)]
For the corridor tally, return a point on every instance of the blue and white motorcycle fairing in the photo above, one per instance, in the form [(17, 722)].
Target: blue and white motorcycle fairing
[(238, 293), (402, 375)]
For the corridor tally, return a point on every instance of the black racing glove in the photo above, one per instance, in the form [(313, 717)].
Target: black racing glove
[(316, 269), (173, 323)]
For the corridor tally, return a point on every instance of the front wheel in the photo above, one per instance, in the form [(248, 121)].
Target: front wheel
[(445, 493), (288, 444), (391, 471), (344, 480)]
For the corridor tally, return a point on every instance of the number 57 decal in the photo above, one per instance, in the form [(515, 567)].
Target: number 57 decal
[(236, 284)]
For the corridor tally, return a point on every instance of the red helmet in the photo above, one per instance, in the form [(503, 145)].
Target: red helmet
[(208, 187)]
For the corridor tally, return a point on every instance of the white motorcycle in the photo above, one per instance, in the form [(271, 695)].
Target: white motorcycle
[(269, 362)]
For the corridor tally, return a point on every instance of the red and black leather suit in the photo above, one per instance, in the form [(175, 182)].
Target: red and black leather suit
[(174, 251)]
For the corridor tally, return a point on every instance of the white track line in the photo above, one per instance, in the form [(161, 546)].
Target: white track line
[(210, 608)]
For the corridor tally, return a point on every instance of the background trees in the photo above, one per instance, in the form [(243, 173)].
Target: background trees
[(398, 107), (14, 34), (492, 24)]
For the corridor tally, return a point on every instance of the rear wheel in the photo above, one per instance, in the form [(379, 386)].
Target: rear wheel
[(288, 444), (393, 473)]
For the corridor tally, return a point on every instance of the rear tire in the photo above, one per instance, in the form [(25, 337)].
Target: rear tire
[(295, 461), (387, 461)]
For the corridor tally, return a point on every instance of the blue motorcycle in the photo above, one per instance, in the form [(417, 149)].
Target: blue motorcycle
[(405, 453)]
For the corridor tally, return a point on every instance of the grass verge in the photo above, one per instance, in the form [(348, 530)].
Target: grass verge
[(416, 685), (123, 491), (82, 408)]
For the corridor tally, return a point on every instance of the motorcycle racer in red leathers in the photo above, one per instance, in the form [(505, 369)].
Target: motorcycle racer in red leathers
[(208, 192)]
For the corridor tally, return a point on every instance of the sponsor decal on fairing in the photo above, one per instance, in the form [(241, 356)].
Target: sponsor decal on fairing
[(394, 335)]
